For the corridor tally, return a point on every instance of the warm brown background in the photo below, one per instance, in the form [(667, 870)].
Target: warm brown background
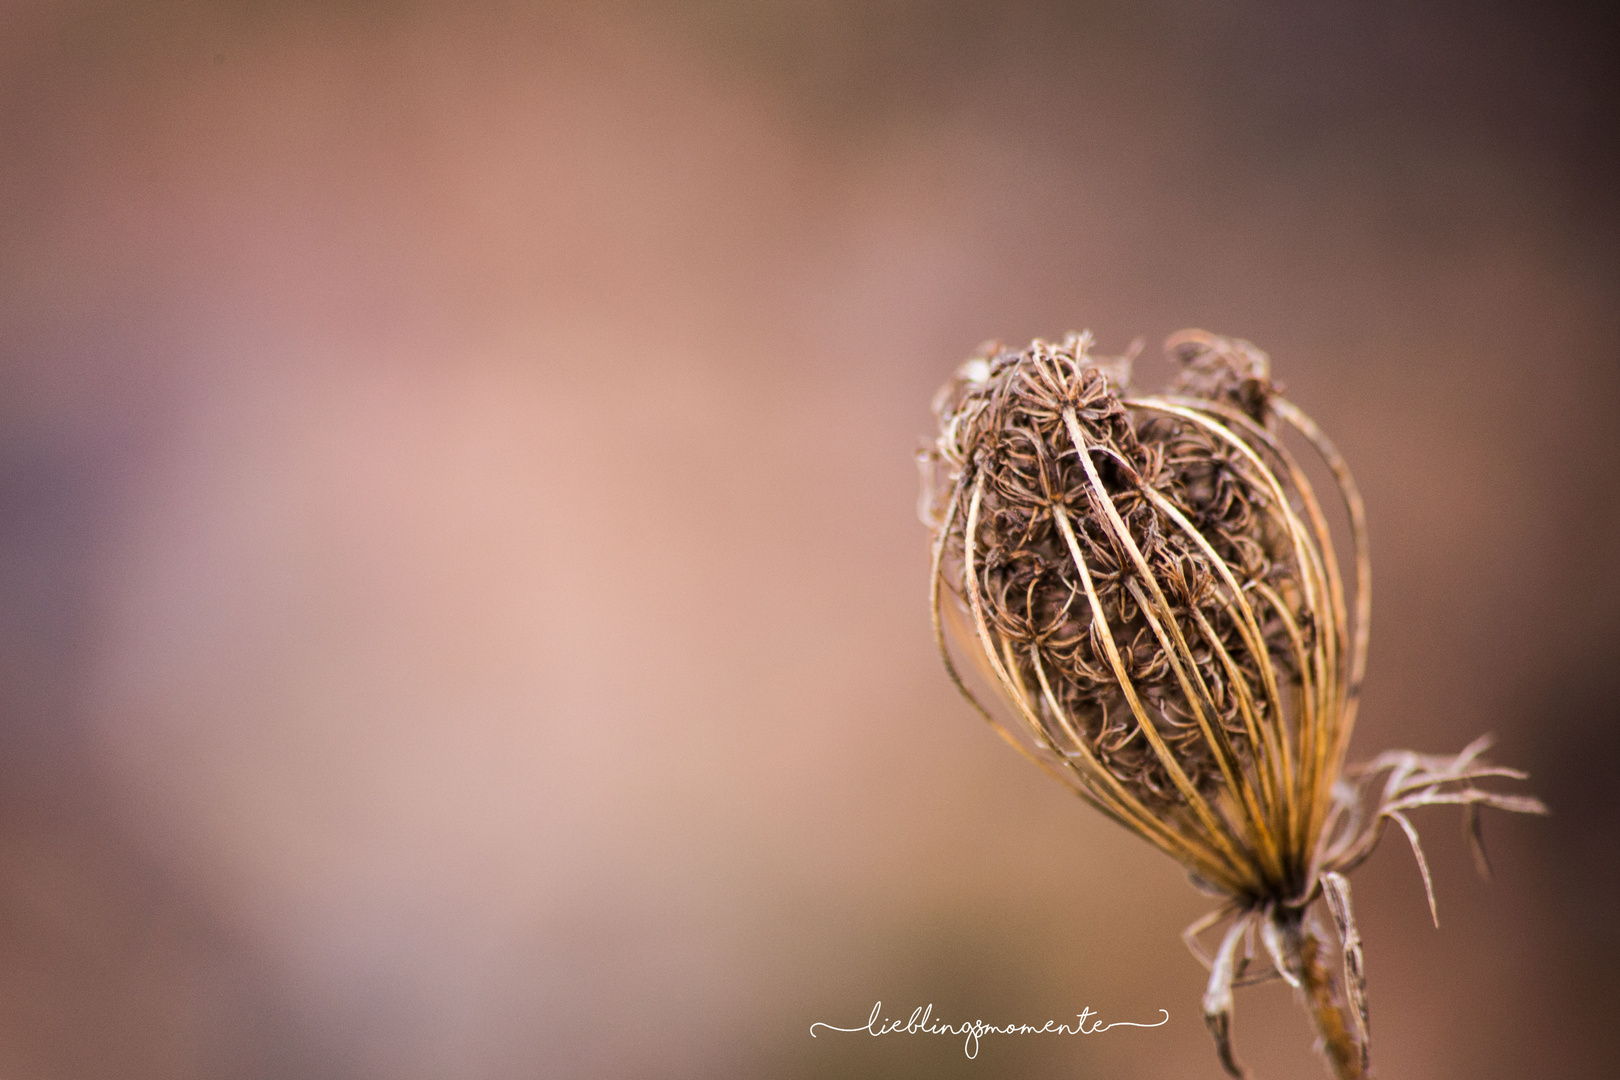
[(461, 604)]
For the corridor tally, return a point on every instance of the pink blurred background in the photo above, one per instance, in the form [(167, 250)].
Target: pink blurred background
[(462, 611)]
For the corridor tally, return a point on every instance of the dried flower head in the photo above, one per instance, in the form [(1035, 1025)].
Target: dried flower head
[(1151, 585)]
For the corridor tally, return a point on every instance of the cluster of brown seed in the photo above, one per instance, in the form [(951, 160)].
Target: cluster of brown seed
[(1138, 579), (1005, 436)]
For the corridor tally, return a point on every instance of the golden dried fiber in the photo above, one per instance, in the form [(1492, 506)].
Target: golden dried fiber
[(1151, 585)]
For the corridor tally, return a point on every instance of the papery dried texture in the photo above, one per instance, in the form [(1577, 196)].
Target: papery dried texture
[(1147, 595), (1151, 585)]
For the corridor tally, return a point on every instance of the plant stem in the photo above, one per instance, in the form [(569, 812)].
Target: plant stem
[(1346, 1056)]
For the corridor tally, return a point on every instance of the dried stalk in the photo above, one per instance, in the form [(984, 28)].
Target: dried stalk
[(1151, 585)]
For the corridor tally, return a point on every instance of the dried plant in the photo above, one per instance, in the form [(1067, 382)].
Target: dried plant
[(1151, 585)]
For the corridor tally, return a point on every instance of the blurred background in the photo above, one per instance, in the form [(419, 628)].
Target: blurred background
[(462, 609)]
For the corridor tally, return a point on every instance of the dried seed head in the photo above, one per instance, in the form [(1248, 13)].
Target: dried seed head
[(1151, 585), (1138, 577)]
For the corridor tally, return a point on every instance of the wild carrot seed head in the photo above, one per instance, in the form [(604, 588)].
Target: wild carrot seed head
[(1138, 578), (1151, 585)]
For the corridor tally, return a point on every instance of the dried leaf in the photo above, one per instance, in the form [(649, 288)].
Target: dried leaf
[(1218, 1003)]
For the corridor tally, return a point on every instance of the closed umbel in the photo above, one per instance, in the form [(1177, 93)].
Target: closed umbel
[(1151, 585)]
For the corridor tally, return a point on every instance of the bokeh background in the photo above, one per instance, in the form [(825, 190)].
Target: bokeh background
[(462, 610)]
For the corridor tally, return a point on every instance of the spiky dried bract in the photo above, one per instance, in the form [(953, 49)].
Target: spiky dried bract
[(1151, 585)]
